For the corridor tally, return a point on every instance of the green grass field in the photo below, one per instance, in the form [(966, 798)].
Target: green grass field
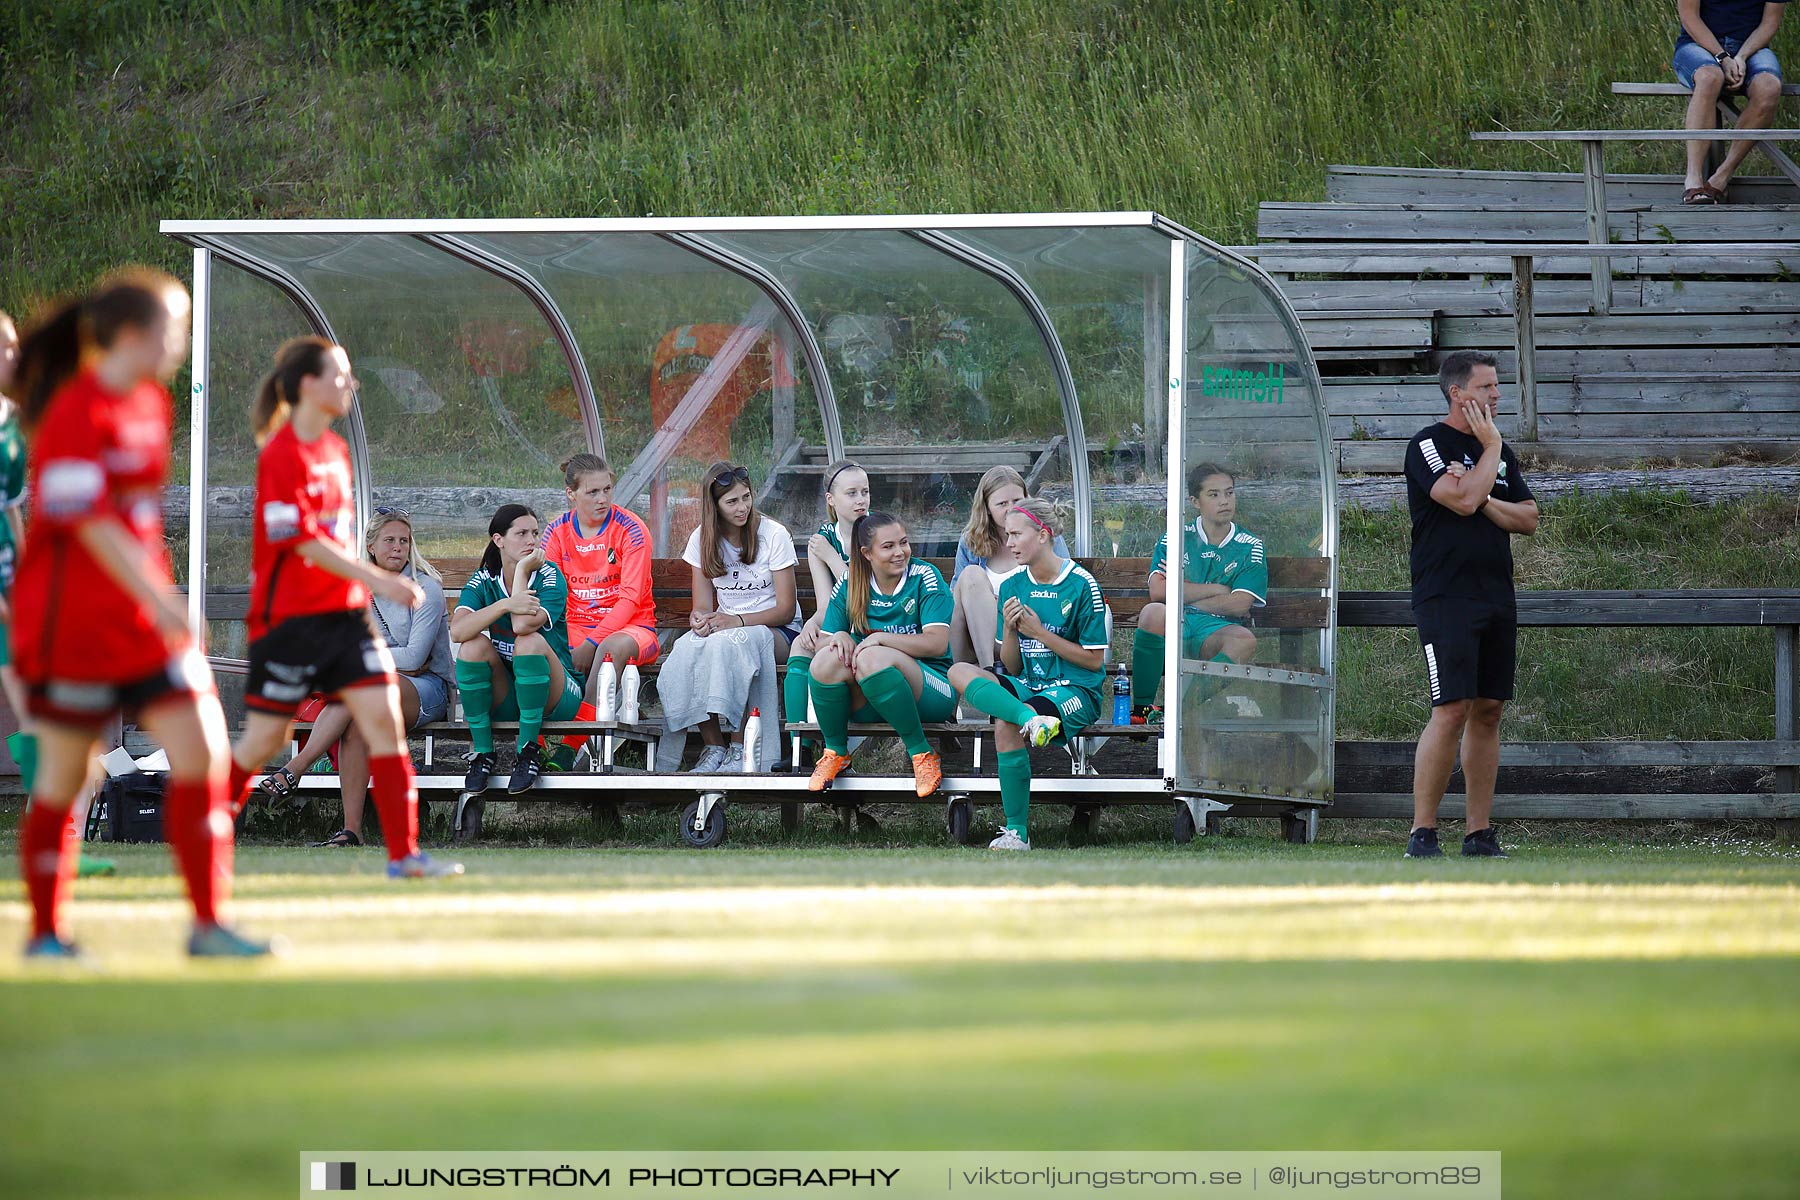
[(1606, 1014)]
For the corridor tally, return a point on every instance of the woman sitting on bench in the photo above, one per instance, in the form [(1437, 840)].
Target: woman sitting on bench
[(885, 652), (982, 563), (512, 655), (743, 571), (827, 562), (1052, 622), (419, 639)]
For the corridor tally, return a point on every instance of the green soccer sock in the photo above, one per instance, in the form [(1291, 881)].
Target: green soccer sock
[(24, 751), (891, 696), (1147, 651), (832, 700), (1015, 789), (794, 689), (992, 698), (475, 683), (531, 689)]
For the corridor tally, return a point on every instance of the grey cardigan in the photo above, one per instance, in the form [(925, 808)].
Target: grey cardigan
[(418, 637)]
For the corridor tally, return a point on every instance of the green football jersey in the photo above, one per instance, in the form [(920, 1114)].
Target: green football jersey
[(1070, 606), (12, 492), (1238, 561), (829, 531), (485, 588), (920, 602)]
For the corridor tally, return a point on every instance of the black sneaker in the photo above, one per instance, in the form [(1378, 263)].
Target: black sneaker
[(1424, 844), (1483, 843), (526, 769), (481, 770)]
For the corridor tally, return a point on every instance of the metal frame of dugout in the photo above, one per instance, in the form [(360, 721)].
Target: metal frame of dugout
[(1107, 352)]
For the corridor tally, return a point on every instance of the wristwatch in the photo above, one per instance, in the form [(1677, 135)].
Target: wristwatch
[(1721, 56)]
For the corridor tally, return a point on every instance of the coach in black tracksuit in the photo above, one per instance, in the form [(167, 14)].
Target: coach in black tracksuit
[(1467, 498)]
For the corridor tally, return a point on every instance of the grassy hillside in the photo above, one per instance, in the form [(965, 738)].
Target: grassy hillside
[(117, 113)]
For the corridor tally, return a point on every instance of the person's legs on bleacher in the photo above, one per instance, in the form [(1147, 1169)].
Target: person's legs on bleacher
[(894, 684), (834, 696), (1695, 69), (1762, 93), (484, 681), (1017, 725), (1147, 651), (975, 623)]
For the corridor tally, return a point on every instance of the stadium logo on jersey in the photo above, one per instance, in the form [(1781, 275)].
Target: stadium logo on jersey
[(70, 485), (281, 520)]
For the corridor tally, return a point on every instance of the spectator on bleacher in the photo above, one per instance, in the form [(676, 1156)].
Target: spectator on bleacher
[(1467, 497), (513, 659), (983, 563), (418, 636), (1053, 642), (1724, 46), (886, 653), (1225, 574), (846, 487), (743, 587)]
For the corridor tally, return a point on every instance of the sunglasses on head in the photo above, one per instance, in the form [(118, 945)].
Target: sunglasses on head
[(385, 511), (725, 478)]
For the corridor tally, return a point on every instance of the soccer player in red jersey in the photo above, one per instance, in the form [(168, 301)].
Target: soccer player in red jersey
[(309, 595), (97, 629)]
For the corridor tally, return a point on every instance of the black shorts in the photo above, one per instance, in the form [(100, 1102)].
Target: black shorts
[(90, 705), (1470, 649), (325, 653)]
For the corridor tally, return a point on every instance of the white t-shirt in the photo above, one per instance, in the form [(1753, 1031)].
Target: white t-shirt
[(747, 588)]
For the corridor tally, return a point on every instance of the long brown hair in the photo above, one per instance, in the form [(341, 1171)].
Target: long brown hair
[(51, 350), (279, 390), (862, 572), (721, 477), (983, 535)]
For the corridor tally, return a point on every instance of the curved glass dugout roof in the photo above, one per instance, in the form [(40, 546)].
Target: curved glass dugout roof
[(1100, 354)]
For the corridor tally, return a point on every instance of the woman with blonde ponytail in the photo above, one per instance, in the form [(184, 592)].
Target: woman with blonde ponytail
[(1052, 642)]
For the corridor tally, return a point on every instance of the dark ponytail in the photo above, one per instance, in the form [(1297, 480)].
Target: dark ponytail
[(504, 516), (50, 352), (862, 574), (279, 390)]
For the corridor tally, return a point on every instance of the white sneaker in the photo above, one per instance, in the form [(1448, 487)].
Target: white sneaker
[(1040, 731), (1008, 840), (734, 759), (1247, 708), (711, 759)]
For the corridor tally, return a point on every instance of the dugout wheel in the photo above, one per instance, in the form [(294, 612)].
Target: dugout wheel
[(1184, 823), (1081, 825), (959, 818), (470, 808), (703, 836), (791, 813), (1301, 827)]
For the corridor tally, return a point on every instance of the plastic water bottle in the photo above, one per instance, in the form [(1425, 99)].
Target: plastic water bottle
[(628, 695), (752, 740), (606, 698), (1122, 696)]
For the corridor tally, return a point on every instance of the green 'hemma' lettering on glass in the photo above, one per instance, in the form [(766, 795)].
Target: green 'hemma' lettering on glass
[(1254, 387)]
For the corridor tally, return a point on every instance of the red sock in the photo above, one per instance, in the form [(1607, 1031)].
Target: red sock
[(237, 791), (47, 853), (396, 802), (199, 836), (575, 741)]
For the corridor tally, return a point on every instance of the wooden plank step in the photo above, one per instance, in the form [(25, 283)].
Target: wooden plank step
[(1429, 223), (1627, 88), (1370, 260), (1524, 189), (1628, 327)]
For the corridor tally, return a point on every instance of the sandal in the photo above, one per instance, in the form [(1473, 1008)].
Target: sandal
[(1706, 193), (339, 840), (277, 784)]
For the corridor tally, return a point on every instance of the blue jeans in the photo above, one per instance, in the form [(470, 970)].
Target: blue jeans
[(1691, 56)]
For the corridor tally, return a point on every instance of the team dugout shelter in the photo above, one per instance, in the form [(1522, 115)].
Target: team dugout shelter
[(1104, 355)]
